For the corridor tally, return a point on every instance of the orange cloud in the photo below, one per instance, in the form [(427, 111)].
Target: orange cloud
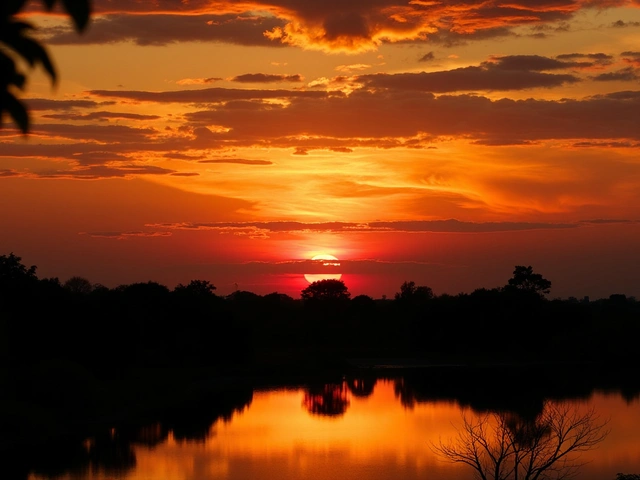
[(355, 26)]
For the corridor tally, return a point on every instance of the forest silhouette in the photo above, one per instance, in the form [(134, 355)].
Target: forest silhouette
[(107, 331)]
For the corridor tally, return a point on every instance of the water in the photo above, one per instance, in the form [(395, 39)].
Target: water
[(373, 429)]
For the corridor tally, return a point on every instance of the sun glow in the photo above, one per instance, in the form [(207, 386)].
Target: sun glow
[(327, 260), (324, 267)]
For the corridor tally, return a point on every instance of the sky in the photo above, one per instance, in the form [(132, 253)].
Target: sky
[(443, 142)]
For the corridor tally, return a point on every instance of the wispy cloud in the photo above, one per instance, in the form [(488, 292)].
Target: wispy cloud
[(125, 235)]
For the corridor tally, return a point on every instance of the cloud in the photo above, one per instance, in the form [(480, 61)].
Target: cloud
[(207, 95), (516, 72), (165, 28), (198, 81), (627, 74), (623, 24), (456, 226), (358, 25), (264, 229), (126, 235), (98, 158), (184, 174), (102, 116), (239, 161), (341, 149), (632, 58), (97, 172), (607, 144), (427, 57), (352, 67), (182, 156), (596, 58), (36, 104), (100, 133), (606, 221), (266, 78), (8, 172), (398, 114)]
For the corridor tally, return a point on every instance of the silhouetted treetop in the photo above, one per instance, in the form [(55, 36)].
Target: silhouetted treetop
[(78, 285), (410, 292), (12, 271), (197, 288), (524, 279), (328, 289)]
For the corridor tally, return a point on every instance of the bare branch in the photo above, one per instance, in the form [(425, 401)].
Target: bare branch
[(503, 446)]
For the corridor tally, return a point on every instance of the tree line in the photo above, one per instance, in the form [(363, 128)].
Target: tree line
[(111, 329)]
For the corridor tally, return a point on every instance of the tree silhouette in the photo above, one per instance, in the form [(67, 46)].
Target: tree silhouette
[(323, 290), (12, 271), (16, 41), (499, 448), (409, 292), (329, 400), (525, 280), (78, 285), (198, 288)]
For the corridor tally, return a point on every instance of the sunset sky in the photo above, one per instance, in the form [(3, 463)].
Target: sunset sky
[(443, 142)]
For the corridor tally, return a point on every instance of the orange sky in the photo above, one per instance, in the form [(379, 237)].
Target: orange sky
[(441, 142)]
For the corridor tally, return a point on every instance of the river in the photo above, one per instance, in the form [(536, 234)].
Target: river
[(371, 429)]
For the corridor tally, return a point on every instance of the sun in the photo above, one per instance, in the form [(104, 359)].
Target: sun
[(324, 268), (327, 260)]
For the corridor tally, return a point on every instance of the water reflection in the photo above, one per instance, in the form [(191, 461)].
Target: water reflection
[(357, 428), (503, 446), (330, 399)]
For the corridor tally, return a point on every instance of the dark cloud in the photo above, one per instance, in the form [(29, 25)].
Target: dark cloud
[(623, 24), (98, 158), (330, 24), (161, 29), (265, 229), (607, 144), (341, 149), (606, 221), (207, 95), (182, 156), (184, 174), (102, 116), (239, 161), (125, 235), (464, 227), (399, 113), (628, 74), (516, 72), (632, 58), (533, 63), (601, 58), (427, 57), (46, 104), (449, 38), (7, 172), (101, 133), (265, 78), (97, 172)]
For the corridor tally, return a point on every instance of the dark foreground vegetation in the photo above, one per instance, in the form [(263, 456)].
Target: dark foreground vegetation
[(76, 357), (109, 331)]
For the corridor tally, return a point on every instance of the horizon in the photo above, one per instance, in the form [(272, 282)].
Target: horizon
[(435, 142)]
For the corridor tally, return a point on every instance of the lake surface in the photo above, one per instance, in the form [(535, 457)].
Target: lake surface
[(364, 429)]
